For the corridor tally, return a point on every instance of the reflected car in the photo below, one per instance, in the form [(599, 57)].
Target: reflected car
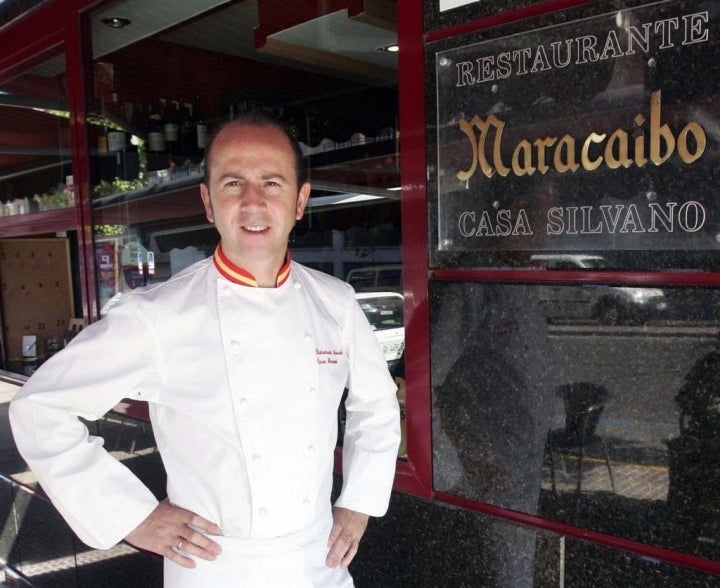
[(608, 305), (384, 311)]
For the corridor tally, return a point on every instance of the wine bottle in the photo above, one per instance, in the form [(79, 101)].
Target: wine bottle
[(116, 136), (154, 130), (188, 134), (200, 128), (171, 128), (102, 147)]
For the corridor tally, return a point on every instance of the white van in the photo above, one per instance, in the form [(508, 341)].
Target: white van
[(384, 311)]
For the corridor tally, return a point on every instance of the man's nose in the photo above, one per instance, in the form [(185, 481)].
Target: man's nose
[(253, 196)]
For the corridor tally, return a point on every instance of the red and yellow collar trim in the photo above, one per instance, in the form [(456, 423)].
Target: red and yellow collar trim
[(238, 275)]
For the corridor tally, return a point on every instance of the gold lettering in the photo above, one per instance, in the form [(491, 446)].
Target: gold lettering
[(541, 144), (466, 128), (587, 163), (544, 154), (640, 159), (618, 141), (478, 146), (566, 145), (522, 159), (700, 142), (499, 125), (659, 133)]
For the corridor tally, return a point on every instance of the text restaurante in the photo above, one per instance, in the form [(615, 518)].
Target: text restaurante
[(545, 153), (586, 49)]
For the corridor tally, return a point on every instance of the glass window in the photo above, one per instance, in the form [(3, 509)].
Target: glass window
[(152, 118), (35, 166), (38, 252)]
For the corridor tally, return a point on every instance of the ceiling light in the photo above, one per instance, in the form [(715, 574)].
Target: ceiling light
[(116, 22), (390, 48)]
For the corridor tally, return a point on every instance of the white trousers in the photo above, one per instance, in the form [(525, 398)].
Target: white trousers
[(294, 561)]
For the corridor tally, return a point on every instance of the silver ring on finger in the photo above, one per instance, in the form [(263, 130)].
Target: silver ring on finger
[(179, 545)]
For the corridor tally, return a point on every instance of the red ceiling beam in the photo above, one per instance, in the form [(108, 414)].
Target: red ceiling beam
[(33, 37)]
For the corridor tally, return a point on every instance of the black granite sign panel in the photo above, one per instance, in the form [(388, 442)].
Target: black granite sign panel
[(591, 405), (599, 134)]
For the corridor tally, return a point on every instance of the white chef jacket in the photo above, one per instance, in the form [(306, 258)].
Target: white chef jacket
[(243, 386)]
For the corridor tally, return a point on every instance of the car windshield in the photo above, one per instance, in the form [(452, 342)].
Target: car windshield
[(383, 312)]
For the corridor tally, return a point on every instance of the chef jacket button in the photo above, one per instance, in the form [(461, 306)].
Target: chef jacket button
[(311, 449), (235, 344), (306, 503), (256, 457), (312, 393), (244, 402), (263, 511), (297, 285), (308, 337)]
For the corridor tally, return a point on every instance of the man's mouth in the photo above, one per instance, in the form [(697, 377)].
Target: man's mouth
[(255, 228)]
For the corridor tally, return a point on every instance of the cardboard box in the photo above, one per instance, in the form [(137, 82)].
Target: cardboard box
[(37, 295)]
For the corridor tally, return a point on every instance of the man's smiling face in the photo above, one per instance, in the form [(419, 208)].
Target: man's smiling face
[(252, 194)]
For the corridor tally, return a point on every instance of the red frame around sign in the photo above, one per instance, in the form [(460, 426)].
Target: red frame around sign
[(415, 476)]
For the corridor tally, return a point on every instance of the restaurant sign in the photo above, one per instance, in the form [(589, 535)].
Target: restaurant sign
[(601, 133)]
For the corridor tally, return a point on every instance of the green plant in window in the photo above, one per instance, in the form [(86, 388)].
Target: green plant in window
[(51, 200), (118, 186), (110, 230)]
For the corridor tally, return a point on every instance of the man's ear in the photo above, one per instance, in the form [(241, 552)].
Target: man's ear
[(205, 195), (302, 200)]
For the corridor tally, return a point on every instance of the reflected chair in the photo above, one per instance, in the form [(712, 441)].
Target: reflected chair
[(584, 404)]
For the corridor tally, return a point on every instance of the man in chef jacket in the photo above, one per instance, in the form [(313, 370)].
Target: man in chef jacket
[(243, 359)]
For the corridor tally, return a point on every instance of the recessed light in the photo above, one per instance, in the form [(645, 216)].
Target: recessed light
[(390, 48), (116, 22)]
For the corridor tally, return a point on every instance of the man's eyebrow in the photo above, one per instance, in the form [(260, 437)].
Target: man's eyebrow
[(270, 175), (231, 176), (273, 176)]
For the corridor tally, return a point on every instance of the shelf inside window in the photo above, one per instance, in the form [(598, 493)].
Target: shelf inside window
[(39, 223)]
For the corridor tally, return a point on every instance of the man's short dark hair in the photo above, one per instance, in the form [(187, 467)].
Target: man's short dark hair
[(258, 119)]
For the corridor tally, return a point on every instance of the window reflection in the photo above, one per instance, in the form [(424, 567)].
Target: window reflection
[(613, 427), (35, 166), (150, 120)]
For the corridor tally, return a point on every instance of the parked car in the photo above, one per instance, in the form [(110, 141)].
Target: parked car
[(609, 305), (384, 311), (376, 278)]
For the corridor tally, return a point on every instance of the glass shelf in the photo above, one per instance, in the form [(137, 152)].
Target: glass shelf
[(37, 223)]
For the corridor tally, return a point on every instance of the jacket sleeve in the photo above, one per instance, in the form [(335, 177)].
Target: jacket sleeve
[(99, 497), (372, 427)]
